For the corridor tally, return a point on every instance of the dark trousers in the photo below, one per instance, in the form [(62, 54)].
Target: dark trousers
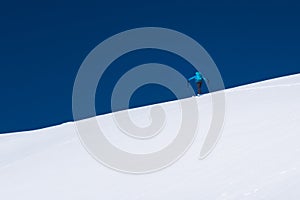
[(199, 84)]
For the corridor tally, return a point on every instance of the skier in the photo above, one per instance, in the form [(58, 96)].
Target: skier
[(198, 80)]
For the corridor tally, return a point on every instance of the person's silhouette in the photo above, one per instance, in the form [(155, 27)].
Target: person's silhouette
[(198, 80)]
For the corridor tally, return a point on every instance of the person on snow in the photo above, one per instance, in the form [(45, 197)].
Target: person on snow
[(198, 80)]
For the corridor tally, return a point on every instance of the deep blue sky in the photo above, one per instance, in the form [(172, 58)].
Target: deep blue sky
[(42, 45)]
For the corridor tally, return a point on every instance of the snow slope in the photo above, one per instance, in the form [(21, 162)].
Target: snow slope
[(257, 157)]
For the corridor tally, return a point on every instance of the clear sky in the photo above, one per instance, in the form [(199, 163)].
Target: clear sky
[(42, 45)]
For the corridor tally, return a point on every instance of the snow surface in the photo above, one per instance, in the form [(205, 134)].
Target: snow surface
[(257, 157)]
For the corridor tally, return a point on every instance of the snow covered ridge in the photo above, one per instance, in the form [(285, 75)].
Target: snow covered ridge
[(257, 157)]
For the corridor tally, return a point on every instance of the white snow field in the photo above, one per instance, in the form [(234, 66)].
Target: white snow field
[(257, 156)]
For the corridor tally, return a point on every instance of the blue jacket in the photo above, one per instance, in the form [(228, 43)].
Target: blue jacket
[(198, 77)]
